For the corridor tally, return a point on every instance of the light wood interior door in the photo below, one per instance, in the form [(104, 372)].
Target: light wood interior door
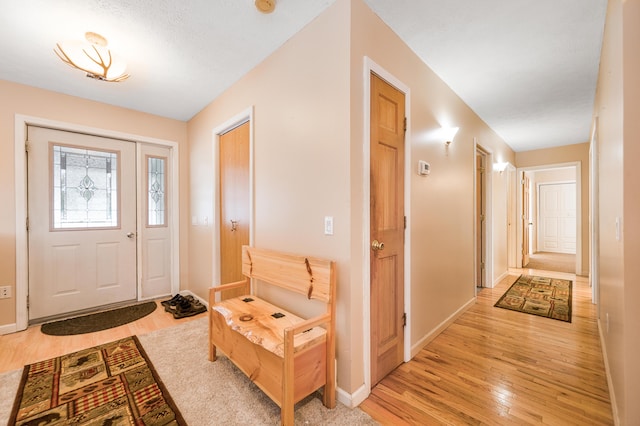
[(82, 222), (480, 218), (526, 218), (234, 203), (387, 228)]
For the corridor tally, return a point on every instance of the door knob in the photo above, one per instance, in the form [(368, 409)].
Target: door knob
[(131, 235), (377, 245), (234, 225)]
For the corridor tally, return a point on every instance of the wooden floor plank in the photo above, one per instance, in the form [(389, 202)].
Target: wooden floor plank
[(494, 366)]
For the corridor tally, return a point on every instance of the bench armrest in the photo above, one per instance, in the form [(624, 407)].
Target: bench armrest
[(223, 287), (306, 325)]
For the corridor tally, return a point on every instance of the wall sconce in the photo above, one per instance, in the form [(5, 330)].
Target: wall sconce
[(448, 134), (93, 57), (500, 167)]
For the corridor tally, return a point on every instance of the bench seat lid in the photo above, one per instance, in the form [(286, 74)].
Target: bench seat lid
[(255, 322)]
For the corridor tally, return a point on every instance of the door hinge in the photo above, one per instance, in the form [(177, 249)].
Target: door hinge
[(27, 301), (521, 181), (405, 222), (404, 125), (27, 223), (482, 265), (404, 319), (26, 147), (482, 218)]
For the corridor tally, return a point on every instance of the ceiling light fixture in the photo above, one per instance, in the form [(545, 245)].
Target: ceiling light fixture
[(265, 6), (93, 57)]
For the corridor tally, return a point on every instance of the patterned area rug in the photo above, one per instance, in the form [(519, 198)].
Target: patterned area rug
[(546, 297), (112, 384)]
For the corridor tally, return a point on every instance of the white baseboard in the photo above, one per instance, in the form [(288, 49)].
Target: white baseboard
[(8, 328), (440, 328), (352, 400), (504, 275), (612, 394)]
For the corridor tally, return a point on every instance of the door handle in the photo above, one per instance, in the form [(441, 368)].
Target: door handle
[(234, 225), (131, 235), (377, 245)]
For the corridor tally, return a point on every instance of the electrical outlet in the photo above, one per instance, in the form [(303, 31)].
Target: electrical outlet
[(5, 292)]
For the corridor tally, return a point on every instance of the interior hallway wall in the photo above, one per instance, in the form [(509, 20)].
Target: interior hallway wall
[(441, 214), (618, 129), (30, 101)]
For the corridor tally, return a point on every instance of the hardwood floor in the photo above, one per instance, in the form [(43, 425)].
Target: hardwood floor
[(493, 366), (29, 346)]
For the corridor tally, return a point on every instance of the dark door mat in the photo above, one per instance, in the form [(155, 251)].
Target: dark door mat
[(99, 321)]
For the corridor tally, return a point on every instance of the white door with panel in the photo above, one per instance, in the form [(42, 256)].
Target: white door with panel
[(82, 222), (557, 218), (155, 238)]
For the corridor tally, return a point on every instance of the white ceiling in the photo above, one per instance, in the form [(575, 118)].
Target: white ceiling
[(528, 68)]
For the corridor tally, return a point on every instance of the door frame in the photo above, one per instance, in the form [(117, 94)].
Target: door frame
[(22, 255), (230, 124), (371, 67), (577, 165)]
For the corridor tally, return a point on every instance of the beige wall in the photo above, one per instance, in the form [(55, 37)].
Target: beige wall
[(300, 97), (30, 101), (617, 110), (442, 208), (566, 154), (308, 102)]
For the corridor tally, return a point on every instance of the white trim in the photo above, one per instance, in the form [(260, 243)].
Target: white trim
[(420, 344), (369, 67), (8, 328), (578, 169), (504, 275), (22, 254), (594, 200), (354, 399), (233, 122), (607, 369)]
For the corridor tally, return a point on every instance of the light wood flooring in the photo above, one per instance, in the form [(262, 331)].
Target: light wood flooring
[(29, 346), (494, 366), (491, 366)]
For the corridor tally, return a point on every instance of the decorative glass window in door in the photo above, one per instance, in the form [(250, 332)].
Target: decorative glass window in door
[(85, 188), (156, 191)]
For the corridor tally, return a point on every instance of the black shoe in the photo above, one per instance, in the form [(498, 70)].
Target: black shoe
[(171, 301)]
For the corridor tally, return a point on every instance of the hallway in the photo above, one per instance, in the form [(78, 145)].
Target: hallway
[(495, 366)]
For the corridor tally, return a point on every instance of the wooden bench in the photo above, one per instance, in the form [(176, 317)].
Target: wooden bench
[(288, 357)]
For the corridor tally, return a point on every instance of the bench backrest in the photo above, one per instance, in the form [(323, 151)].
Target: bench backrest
[(312, 277)]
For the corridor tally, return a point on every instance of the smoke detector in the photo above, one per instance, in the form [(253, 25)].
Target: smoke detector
[(266, 6)]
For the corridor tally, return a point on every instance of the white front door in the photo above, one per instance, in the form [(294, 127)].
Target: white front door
[(557, 230), (82, 222), (155, 237)]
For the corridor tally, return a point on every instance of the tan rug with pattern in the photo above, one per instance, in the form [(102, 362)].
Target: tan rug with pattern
[(112, 384), (542, 296)]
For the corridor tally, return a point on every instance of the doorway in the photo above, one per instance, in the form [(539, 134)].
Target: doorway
[(387, 232), (172, 268), (550, 207)]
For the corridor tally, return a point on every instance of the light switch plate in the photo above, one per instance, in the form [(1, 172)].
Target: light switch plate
[(328, 225)]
